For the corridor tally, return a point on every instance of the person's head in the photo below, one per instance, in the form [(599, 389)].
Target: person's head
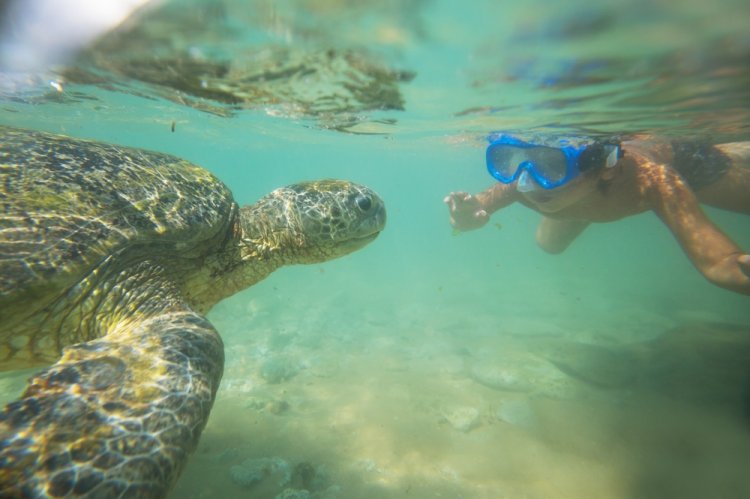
[(552, 173)]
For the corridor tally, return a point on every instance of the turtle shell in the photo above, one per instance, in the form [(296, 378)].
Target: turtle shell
[(67, 204)]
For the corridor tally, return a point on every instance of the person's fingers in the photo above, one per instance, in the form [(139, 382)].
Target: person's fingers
[(454, 198), (744, 261), (450, 199)]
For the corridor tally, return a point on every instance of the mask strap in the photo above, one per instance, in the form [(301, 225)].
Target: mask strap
[(612, 157)]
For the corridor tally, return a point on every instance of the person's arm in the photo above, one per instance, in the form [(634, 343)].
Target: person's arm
[(469, 212), (716, 256)]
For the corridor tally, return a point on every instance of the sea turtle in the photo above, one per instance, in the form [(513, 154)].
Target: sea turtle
[(109, 259)]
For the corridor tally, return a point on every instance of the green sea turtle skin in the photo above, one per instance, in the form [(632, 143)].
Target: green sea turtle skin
[(109, 257)]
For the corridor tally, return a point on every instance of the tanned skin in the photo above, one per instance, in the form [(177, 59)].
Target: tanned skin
[(643, 179)]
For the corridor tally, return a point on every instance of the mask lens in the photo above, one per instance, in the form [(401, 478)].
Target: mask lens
[(505, 160), (501, 159), (550, 164)]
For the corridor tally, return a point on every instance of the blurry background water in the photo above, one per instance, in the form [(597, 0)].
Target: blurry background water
[(433, 364)]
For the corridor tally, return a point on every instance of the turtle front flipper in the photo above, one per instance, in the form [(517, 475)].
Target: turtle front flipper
[(119, 415)]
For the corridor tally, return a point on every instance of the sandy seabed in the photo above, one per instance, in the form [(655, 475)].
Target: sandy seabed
[(411, 401)]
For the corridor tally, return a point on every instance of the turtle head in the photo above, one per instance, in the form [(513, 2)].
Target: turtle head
[(311, 222)]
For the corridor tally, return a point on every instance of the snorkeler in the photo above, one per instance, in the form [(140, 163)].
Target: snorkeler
[(574, 183)]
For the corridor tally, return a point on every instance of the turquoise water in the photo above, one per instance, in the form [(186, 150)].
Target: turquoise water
[(431, 364)]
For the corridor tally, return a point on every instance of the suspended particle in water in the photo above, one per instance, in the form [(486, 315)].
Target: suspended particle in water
[(173, 125)]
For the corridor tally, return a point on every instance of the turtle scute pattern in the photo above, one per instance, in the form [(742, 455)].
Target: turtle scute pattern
[(82, 199)]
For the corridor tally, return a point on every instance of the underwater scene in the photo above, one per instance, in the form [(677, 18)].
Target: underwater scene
[(436, 361)]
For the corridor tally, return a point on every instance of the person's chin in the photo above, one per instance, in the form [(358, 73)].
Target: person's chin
[(545, 201)]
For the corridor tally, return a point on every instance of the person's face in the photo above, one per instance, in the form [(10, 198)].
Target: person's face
[(558, 198)]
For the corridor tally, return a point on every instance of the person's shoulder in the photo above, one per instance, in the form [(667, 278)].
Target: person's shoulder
[(647, 150)]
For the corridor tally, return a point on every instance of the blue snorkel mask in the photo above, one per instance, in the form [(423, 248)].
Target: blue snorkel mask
[(550, 163)]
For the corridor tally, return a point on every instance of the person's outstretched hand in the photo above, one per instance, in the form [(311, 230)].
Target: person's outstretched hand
[(732, 273), (465, 210)]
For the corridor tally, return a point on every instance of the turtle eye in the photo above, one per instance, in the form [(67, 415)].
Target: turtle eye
[(364, 203)]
